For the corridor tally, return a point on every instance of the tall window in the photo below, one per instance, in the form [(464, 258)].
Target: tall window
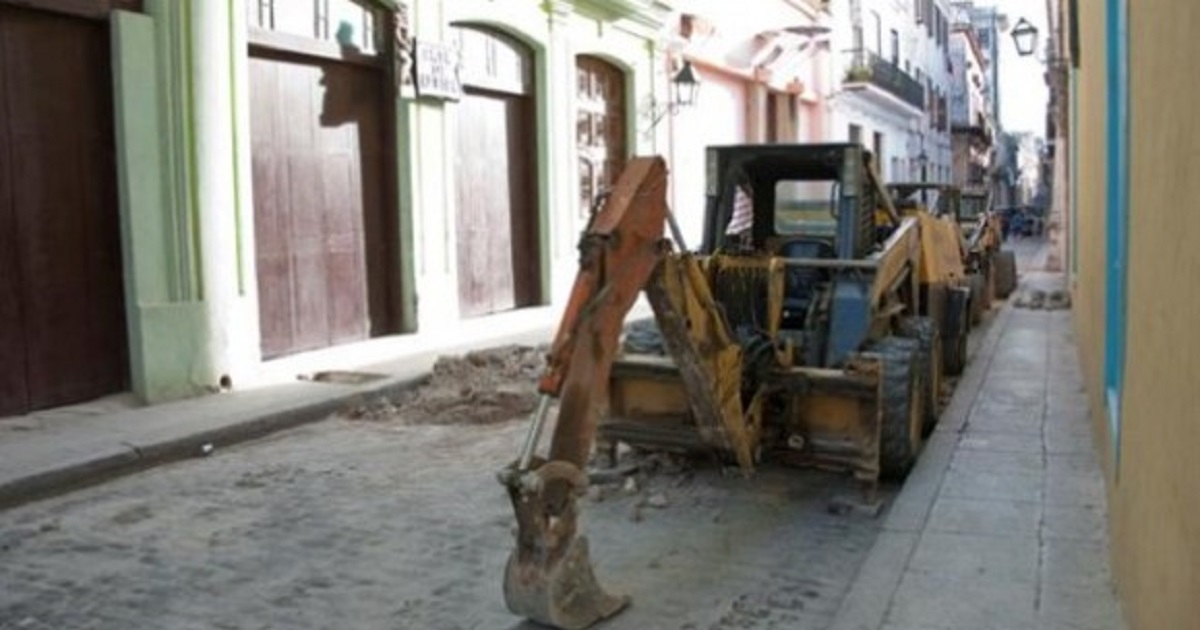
[(351, 23), (878, 23), (895, 48), (856, 134)]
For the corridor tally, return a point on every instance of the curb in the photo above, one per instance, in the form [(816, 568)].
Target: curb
[(870, 594), (125, 458)]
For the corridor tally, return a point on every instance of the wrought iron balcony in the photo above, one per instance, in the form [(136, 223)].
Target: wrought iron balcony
[(869, 68), (979, 129)]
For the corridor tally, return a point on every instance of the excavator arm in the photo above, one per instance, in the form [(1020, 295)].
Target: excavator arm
[(549, 576)]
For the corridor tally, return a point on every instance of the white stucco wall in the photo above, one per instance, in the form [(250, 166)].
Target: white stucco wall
[(932, 59), (557, 35), (732, 103), (556, 31), (901, 126)]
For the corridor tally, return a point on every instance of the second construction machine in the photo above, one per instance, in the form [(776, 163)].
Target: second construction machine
[(793, 333), (946, 287), (993, 269)]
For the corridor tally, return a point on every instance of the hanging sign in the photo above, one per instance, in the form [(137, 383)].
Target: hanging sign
[(437, 71)]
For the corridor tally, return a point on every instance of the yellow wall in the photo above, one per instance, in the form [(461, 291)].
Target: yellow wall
[(1090, 206), (1154, 498), (1158, 491)]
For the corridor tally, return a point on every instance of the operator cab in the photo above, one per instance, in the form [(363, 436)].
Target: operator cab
[(795, 204), (765, 198)]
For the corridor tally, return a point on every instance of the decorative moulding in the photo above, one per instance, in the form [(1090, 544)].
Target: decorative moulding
[(649, 14)]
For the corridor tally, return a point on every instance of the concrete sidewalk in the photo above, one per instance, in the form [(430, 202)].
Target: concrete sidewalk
[(1002, 525)]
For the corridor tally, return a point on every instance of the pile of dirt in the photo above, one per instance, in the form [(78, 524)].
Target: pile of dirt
[(481, 387), (1037, 299)]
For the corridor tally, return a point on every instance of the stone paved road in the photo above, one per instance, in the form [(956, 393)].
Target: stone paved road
[(365, 525), (356, 524)]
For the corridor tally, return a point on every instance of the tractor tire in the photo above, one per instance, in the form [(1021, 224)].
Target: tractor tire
[(1004, 268), (929, 363), (903, 407), (978, 287), (957, 331)]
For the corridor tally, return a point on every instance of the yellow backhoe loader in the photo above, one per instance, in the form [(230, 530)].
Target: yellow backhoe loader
[(993, 268), (793, 332)]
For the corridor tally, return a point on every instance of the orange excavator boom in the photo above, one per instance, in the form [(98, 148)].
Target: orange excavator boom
[(549, 577)]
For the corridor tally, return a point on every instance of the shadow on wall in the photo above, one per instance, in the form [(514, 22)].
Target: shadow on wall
[(343, 99)]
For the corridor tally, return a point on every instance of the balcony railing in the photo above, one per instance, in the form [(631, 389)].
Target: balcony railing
[(868, 67), (978, 129)]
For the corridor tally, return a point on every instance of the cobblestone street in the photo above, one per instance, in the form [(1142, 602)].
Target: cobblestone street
[(389, 516), (375, 524)]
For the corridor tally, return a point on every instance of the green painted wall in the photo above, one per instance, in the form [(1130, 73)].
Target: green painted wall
[(167, 329)]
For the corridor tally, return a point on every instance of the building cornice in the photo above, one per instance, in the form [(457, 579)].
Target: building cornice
[(647, 14), (812, 9)]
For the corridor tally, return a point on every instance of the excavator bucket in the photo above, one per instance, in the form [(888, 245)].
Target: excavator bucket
[(565, 596), (549, 577)]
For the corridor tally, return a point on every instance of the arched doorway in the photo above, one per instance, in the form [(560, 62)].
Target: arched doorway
[(600, 131), (496, 168)]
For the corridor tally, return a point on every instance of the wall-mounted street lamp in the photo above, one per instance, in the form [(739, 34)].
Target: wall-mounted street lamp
[(1025, 37), (686, 85)]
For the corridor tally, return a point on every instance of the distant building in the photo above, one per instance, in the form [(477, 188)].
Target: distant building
[(894, 85), (989, 25), (1004, 167), (1030, 150), (971, 114), (934, 68)]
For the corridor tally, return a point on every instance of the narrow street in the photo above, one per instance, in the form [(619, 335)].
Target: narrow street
[(379, 520), (281, 283)]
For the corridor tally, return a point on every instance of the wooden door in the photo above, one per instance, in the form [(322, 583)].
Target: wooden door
[(496, 159), (62, 313), (320, 190), (600, 130)]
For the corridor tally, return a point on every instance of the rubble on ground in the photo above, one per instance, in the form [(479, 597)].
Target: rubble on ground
[(480, 387), (647, 479), (1036, 299)]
